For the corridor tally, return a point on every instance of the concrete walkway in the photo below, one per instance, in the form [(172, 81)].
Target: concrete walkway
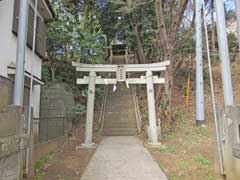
[(122, 158)]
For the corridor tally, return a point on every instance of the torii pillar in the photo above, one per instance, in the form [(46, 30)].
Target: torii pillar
[(88, 142), (153, 135)]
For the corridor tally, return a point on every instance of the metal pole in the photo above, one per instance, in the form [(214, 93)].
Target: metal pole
[(213, 95), (31, 86), (224, 53), (153, 137), (200, 118), (237, 5), (20, 57), (90, 110)]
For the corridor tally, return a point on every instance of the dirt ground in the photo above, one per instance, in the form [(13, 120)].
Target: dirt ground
[(68, 163), (188, 152)]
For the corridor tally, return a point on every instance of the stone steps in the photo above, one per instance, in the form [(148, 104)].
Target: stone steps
[(119, 107), (123, 118), (121, 98), (120, 132), (119, 117), (120, 112), (115, 110), (120, 126)]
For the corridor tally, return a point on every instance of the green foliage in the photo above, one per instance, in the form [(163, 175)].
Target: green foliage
[(108, 19), (179, 115), (173, 176), (169, 136), (184, 165), (79, 109), (39, 175), (91, 41), (233, 42), (168, 149), (40, 165), (46, 74), (210, 178), (84, 93), (44, 160), (64, 73), (75, 33), (118, 17), (203, 132), (202, 161), (185, 43)]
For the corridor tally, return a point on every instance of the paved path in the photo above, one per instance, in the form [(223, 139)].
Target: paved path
[(122, 158)]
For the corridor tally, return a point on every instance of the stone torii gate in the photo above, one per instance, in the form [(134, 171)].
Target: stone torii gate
[(121, 76)]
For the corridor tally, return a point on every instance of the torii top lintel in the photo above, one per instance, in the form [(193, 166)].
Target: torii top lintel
[(154, 67), (121, 72)]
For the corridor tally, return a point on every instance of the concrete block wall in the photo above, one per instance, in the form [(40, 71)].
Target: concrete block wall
[(12, 142), (4, 97), (57, 102), (229, 120)]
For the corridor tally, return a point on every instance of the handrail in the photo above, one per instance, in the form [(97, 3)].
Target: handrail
[(137, 111), (102, 114)]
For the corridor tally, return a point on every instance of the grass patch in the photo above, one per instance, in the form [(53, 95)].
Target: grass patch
[(39, 165), (39, 175), (169, 136), (209, 178), (179, 115), (203, 132), (183, 165), (173, 177), (202, 161), (168, 149)]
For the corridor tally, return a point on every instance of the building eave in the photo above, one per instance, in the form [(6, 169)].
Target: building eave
[(50, 8), (11, 70)]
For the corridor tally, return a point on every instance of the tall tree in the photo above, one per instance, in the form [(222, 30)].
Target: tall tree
[(169, 16), (213, 27), (75, 34), (128, 9)]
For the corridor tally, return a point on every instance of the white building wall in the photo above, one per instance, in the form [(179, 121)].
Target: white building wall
[(8, 46), (36, 101)]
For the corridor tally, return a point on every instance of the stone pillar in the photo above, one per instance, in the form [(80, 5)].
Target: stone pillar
[(90, 111), (224, 53), (153, 135), (200, 116)]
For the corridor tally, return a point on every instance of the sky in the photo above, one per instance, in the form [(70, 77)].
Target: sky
[(230, 4)]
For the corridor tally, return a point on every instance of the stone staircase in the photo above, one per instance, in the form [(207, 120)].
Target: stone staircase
[(119, 116)]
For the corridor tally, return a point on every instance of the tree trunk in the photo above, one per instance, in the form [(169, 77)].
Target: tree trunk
[(167, 56), (213, 32), (108, 50), (67, 52), (139, 44), (53, 73)]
